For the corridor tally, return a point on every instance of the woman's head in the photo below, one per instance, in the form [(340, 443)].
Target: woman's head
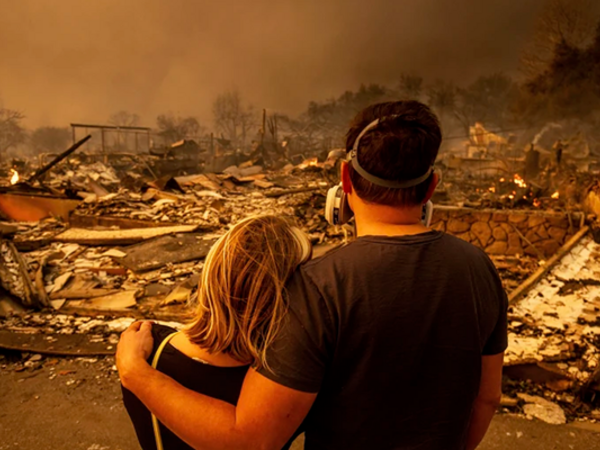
[(240, 297)]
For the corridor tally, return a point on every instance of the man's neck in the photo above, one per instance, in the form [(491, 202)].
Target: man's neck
[(372, 220), (370, 228)]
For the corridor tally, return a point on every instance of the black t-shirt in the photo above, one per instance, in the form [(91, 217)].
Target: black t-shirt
[(390, 332)]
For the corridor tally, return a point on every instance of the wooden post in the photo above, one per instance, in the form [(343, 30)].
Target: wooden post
[(264, 127), (73, 133), (102, 135)]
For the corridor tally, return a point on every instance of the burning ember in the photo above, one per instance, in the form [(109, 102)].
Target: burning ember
[(15, 177), (311, 162), (556, 195), (519, 181)]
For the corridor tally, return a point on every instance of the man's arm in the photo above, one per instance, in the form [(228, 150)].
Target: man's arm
[(266, 416), (488, 399)]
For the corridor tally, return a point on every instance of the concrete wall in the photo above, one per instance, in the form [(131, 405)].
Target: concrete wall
[(508, 232)]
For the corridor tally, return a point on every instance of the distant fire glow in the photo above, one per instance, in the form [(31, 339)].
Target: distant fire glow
[(556, 195), (311, 162), (15, 177)]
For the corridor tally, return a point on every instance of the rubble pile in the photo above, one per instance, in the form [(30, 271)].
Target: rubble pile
[(554, 334), (134, 244), (144, 250)]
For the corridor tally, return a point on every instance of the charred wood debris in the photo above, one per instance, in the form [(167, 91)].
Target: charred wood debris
[(90, 243)]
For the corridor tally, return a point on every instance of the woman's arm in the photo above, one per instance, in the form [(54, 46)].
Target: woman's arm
[(266, 417)]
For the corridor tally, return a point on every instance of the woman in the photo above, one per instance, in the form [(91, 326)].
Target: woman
[(241, 303)]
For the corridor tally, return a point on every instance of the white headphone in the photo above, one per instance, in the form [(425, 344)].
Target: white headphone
[(304, 243), (337, 208)]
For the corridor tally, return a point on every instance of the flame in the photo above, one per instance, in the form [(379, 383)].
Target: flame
[(15, 177), (519, 181), (556, 195), (311, 162), (537, 203), (502, 180), (492, 189), (511, 196)]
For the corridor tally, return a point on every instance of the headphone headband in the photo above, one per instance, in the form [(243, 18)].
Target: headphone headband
[(353, 158)]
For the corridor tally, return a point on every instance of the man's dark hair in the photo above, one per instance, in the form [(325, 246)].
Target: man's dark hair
[(401, 147)]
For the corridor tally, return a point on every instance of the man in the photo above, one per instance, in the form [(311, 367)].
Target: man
[(394, 341)]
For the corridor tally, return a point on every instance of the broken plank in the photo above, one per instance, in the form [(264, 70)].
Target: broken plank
[(121, 300), (526, 286), (157, 253), (82, 294), (280, 193), (58, 344), (118, 237), (79, 221)]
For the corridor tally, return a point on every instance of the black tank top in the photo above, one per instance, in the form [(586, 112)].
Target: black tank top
[(223, 383)]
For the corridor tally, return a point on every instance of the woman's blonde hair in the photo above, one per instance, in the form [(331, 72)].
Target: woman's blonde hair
[(241, 298)]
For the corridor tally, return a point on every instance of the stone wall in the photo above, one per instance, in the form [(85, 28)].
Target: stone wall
[(508, 232)]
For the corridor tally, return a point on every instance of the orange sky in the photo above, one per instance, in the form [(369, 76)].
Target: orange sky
[(65, 61)]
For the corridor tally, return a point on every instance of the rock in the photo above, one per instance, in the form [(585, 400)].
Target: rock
[(439, 226), (549, 247), (439, 215), (559, 385), (457, 226), (514, 244), (513, 239), (507, 227), (532, 236), (543, 409), (464, 236), (535, 220), (541, 232), (517, 218), (529, 250), (483, 232), (499, 234), (497, 248), (482, 217), (508, 401), (558, 221), (558, 234), (499, 217)]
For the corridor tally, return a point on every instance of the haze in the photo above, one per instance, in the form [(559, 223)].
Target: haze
[(63, 61)]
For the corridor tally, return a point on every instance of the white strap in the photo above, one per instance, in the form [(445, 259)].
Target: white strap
[(159, 350)]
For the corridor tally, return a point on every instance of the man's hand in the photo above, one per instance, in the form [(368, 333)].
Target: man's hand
[(135, 346)]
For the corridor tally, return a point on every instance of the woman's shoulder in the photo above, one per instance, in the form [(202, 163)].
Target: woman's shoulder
[(159, 334)]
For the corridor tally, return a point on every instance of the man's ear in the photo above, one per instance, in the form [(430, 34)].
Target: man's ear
[(434, 182), (345, 175)]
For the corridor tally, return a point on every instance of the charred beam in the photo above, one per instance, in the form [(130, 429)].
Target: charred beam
[(42, 170)]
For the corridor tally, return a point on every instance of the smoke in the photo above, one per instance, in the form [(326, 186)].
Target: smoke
[(546, 128), (72, 61)]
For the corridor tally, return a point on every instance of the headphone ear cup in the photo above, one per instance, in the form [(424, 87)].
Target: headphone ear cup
[(337, 209), (304, 242)]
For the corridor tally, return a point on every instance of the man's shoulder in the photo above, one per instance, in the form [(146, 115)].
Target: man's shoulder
[(360, 248)]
